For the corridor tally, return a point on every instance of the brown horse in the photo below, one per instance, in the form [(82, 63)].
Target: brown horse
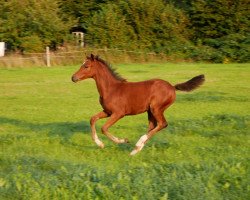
[(120, 98)]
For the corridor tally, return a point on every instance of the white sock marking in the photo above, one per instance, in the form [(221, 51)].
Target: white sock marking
[(141, 141), (133, 152), (139, 145), (98, 142)]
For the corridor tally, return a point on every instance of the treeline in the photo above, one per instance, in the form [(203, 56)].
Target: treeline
[(201, 30)]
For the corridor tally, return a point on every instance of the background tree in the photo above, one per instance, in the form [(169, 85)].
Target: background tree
[(81, 10), (223, 25), (145, 25), (31, 25), (108, 28)]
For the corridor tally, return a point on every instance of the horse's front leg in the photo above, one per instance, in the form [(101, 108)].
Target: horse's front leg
[(93, 120), (113, 119)]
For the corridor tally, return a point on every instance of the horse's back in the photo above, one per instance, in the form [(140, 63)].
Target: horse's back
[(150, 86), (139, 96)]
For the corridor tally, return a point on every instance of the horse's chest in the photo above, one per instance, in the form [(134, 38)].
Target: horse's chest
[(105, 105)]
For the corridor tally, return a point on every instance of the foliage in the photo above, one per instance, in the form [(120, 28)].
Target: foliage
[(223, 25), (46, 150), (215, 19), (145, 25), (81, 10), (31, 43), (24, 24), (203, 30), (108, 28)]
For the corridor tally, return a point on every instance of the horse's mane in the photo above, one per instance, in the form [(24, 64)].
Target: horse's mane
[(111, 69)]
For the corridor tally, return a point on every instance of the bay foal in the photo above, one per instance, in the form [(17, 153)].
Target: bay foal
[(120, 98)]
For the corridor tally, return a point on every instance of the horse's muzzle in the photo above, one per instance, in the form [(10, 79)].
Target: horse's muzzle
[(74, 79)]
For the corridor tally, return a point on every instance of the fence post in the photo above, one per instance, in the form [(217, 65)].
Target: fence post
[(2, 49), (47, 57)]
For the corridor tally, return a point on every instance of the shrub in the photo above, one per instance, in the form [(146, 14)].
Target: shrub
[(31, 44)]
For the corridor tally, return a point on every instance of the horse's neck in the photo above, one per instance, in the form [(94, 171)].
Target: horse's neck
[(105, 81)]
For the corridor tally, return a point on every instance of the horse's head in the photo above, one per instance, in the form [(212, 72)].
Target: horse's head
[(87, 70)]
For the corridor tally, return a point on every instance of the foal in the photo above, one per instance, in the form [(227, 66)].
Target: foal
[(120, 98)]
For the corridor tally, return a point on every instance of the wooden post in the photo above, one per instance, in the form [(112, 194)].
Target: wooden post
[(47, 57), (82, 40)]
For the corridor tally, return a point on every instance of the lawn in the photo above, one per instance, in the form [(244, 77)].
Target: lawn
[(46, 151)]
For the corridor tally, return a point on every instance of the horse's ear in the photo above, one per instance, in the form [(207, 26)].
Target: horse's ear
[(92, 57)]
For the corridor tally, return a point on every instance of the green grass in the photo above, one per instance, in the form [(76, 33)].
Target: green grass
[(46, 151)]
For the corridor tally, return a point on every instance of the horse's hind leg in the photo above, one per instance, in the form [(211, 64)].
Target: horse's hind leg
[(161, 123), (152, 123), (113, 119)]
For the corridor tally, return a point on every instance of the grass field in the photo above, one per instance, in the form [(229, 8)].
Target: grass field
[(46, 151)]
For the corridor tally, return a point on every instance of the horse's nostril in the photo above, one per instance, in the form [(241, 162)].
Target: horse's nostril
[(74, 79)]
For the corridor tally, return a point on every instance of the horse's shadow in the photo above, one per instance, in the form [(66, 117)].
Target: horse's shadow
[(62, 129), (65, 130)]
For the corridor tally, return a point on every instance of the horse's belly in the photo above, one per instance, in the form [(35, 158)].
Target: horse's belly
[(137, 106), (135, 112)]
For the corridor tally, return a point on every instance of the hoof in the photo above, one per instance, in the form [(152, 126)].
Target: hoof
[(101, 145), (133, 153), (126, 140), (136, 150), (122, 141)]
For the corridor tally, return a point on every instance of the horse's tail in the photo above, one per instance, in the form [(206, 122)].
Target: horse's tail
[(191, 84)]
